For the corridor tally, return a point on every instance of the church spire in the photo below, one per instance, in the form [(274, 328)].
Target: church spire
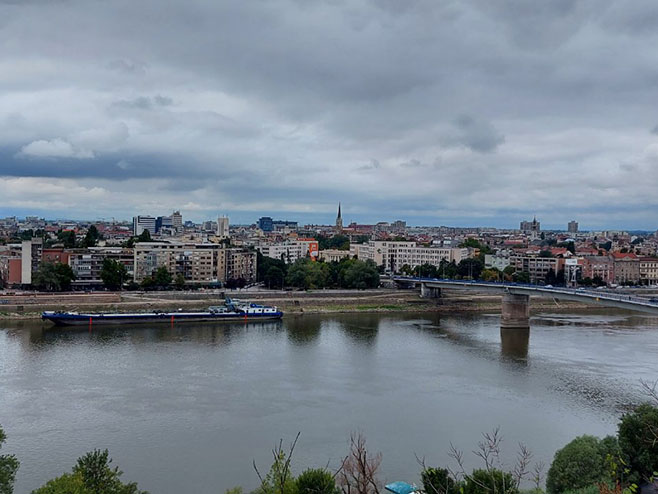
[(339, 220)]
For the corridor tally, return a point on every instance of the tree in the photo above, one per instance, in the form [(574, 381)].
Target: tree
[(145, 236), (274, 277), (638, 441), (279, 479), (470, 268), (579, 464), (520, 277), (113, 273), (8, 468), (67, 238), (490, 481), (340, 242), (490, 275), (438, 481), (360, 274), (162, 276), (308, 274), (91, 475), (53, 277), (316, 481), (69, 483), (91, 238), (179, 281), (358, 473)]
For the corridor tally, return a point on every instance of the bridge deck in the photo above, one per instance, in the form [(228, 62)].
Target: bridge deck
[(596, 297)]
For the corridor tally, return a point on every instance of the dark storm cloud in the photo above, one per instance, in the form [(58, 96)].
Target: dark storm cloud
[(254, 104)]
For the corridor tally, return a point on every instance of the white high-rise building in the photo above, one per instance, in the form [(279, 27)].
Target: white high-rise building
[(222, 227), (177, 221), (141, 223)]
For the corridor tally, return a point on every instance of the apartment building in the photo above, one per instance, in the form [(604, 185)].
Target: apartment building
[(648, 270), (87, 264), (627, 267), (393, 255), (197, 263), (599, 266), (537, 266), (290, 250)]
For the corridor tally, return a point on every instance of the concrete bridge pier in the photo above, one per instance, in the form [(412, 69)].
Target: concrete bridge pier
[(429, 291), (515, 313)]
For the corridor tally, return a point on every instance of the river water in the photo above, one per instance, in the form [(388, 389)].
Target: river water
[(186, 409)]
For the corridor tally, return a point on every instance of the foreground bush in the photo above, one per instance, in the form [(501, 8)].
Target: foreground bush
[(492, 481), (91, 475), (638, 441), (8, 468), (581, 463), (438, 481), (316, 481)]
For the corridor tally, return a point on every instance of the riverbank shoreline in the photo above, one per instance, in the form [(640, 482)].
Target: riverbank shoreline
[(30, 306)]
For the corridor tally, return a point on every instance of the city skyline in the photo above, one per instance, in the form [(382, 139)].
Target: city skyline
[(252, 110)]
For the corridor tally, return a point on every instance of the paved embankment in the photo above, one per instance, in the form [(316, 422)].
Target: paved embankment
[(30, 306)]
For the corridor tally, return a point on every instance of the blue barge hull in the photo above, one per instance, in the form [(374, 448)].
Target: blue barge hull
[(79, 319)]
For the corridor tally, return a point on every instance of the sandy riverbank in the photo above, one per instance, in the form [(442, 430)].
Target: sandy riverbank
[(318, 301)]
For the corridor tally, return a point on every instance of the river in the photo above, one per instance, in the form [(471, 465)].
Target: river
[(186, 409)]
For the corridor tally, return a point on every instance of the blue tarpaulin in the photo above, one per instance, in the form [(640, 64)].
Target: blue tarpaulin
[(401, 488)]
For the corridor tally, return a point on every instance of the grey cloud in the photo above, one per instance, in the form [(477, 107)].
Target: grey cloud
[(297, 93), (144, 102), (655, 130), (476, 134)]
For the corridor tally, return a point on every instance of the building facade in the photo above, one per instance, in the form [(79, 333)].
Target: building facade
[(392, 256), (627, 267), (141, 223)]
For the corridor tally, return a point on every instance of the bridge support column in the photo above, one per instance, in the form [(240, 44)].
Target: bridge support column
[(429, 291), (515, 312)]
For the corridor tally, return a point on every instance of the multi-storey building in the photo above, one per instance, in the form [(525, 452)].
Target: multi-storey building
[(31, 252), (572, 227), (239, 264), (141, 223), (197, 263), (333, 255), (87, 264), (536, 266), (498, 261), (627, 267), (601, 267), (177, 221), (649, 270), (392, 256), (222, 227), (290, 250)]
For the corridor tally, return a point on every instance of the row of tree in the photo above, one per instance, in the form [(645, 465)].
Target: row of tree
[(613, 465), (308, 274)]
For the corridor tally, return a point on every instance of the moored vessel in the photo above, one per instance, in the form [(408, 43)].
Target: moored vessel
[(232, 310)]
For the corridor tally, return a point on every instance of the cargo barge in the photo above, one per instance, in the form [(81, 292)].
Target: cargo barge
[(232, 310)]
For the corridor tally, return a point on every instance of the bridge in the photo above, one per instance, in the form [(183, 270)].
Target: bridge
[(515, 313)]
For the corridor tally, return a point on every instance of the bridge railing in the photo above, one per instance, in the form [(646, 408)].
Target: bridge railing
[(602, 295)]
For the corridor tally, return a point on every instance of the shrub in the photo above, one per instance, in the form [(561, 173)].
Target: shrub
[(580, 464), (316, 481), (438, 481), (8, 468), (491, 481), (638, 441)]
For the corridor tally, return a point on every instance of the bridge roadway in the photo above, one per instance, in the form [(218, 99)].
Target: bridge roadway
[(515, 306)]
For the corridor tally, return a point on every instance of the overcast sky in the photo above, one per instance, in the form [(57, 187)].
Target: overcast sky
[(438, 112)]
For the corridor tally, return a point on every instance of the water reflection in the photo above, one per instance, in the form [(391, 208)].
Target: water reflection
[(362, 330), (514, 343), (303, 329)]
